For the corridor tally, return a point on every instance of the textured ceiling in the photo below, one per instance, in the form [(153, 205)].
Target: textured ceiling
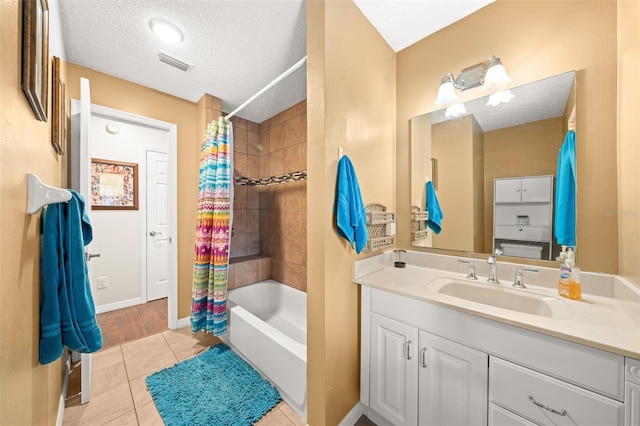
[(236, 47), (404, 22)]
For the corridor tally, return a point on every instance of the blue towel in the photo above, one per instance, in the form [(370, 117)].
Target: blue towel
[(433, 208), (565, 217), (351, 216), (67, 312)]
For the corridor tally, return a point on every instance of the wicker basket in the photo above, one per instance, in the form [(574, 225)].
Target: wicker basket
[(378, 214), (380, 243), (377, 219), (419, 235), (417, 217)]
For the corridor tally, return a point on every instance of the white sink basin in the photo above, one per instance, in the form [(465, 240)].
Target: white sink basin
[(501, 296)]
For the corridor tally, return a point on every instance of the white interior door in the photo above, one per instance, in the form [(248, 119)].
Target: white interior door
[(81, 182), (157, 225)]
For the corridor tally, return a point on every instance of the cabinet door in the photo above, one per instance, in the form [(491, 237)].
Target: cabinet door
[(453, 383), (632, 404), (536, 189), (507, 190), (393, 378)]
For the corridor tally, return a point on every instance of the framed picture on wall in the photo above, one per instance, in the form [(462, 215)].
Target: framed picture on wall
[(114, 185), (35, 55), (58, 113)]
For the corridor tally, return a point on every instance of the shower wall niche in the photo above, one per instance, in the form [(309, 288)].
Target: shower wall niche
[(270, 221)]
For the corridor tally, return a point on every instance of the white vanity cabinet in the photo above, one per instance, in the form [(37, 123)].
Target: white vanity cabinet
[(394, 365), (420, 378), (545, 400), (523, 216), (427, 364), (632, 392), (452, 383)]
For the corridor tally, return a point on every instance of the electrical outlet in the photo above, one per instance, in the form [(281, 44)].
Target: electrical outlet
[(103, 282)]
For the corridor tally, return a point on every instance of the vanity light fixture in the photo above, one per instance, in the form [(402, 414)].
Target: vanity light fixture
[(501, 97), (490, 74), (455, 110), (165, 30), (495, 77), (446, 91)]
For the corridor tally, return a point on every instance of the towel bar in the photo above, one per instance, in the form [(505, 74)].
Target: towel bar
[(41, 194)]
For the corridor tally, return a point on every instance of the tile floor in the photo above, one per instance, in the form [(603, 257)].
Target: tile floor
[(118, 391)]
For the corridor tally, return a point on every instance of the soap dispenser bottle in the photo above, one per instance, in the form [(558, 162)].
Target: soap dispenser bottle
[(575, 288), (565, 276)]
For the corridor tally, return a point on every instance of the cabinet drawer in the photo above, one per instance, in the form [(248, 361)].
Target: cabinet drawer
[(533, 233), (515, 388), (537, 214), (498, 416)]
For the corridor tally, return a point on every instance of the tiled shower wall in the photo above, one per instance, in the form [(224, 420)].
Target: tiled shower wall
[(271, 220)]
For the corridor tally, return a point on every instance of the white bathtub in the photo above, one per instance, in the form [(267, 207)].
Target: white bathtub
[(268, 326)]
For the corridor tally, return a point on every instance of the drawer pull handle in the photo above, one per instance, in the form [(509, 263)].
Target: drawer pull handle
[(407, 347), (423, 353), (562, 412)]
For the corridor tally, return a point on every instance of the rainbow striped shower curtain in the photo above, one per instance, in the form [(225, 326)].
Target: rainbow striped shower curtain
[(211, 268)]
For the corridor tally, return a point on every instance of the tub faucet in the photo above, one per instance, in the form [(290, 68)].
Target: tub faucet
[(493, 269)]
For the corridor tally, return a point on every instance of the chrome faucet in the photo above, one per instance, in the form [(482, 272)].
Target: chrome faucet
[(471, 275), (493, 270), (518, 282)]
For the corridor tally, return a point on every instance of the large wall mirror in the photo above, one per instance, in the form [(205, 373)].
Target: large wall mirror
[(492, 170)]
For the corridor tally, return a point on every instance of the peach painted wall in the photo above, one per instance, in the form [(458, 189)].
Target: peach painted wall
[(123, 95), (628, 135), (529, 149), (535, 40), (29, 392), (453, 144), (351, 80)]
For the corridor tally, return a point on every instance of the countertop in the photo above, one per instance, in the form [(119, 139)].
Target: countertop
[(601, 322)]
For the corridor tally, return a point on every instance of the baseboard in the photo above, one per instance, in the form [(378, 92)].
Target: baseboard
[(352, 416), (183, 322), (101, 309), (63, 393)]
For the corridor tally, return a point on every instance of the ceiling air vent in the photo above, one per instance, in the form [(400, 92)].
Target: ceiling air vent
[(174, 62)]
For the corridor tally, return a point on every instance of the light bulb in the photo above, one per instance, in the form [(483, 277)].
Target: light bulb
[(166, 31)]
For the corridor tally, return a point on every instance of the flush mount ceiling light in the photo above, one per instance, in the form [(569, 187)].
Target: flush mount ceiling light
[(490, 74), (165, 30)]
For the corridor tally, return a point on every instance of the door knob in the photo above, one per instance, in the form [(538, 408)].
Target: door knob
[(154, 233)]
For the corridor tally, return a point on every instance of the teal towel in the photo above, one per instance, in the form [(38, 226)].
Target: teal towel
[(565, 208), (351, 216), (433, 208), (67, 312)]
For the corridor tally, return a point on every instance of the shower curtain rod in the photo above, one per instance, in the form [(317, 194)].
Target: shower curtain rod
[(268, 86)]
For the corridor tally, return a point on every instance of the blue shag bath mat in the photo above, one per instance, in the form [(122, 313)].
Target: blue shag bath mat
[(216, 387)]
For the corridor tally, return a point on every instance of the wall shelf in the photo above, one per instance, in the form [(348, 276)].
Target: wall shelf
[(377, 220)]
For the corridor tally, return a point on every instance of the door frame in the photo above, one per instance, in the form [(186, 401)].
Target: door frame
[(172, 129)]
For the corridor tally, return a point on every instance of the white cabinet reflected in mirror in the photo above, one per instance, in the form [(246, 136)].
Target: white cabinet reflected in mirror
[(512, 147)]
